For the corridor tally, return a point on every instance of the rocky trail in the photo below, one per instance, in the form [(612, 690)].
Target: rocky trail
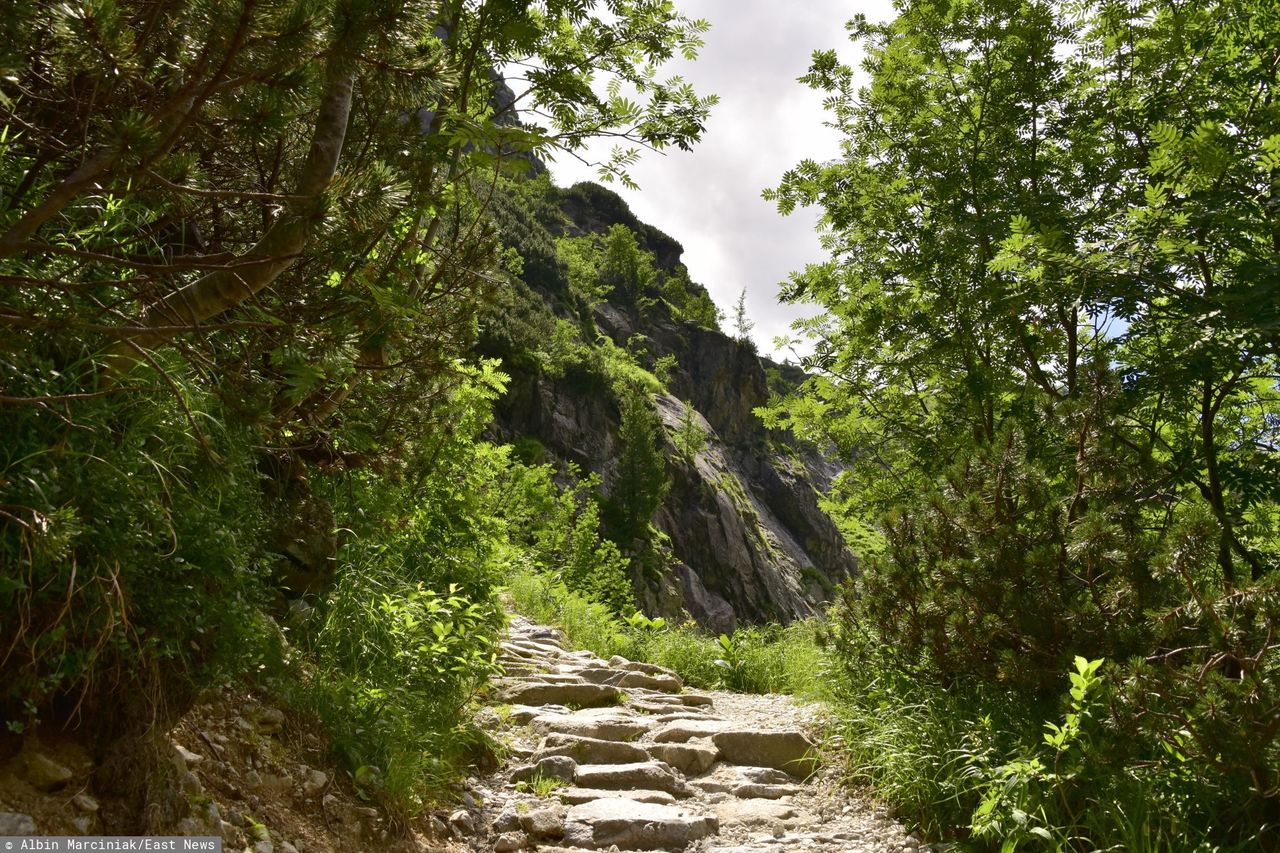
[(617, 755)]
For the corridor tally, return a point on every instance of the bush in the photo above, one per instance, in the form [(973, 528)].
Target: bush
[(129, 529), (978, 764)]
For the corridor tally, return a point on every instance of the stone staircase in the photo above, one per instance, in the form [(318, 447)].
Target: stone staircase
[(616, 755)]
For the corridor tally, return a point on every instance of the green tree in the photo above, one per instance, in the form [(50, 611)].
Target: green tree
[(690, 438), (625, 268), (641, 481), (742, 325), (1050, 332)]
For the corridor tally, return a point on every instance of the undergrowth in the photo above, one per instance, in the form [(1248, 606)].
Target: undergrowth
[(758, 659)]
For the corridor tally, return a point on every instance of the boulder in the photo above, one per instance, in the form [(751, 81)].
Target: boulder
[(633, 825), (788, 751)]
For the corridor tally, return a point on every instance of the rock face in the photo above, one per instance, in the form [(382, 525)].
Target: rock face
[(743, 516)]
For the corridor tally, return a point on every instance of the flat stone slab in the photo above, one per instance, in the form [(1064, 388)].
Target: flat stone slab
[(761, 813), (757, 791), (633, 825), (647, 775), (791, 752), (615, 727), (589, 750), (680, 731), (577, 796), (582, 695)]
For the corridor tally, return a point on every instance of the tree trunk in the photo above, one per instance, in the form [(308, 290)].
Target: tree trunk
[(279, 248)]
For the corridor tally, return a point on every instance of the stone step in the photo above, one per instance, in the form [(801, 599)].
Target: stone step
[(763, 813), (682, 730), (647, 775), (633, 825), (587, 750), (619, 662), (581, 695), (691, 759), (614, 727), (629, 680), (788, 751), (577, 796)]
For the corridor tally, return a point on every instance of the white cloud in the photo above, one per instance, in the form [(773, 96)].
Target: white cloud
[(766, 122)]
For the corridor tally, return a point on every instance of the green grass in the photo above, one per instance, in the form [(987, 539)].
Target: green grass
[(766, 659)]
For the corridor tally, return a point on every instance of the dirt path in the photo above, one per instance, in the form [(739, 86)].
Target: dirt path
[(617, 755)]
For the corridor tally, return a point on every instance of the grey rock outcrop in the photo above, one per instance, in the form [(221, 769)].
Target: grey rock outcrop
[(743, 518)]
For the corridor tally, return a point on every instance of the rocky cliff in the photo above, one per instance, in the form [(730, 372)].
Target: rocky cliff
[(749, 540)]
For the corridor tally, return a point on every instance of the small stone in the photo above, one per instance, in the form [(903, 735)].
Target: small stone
[(269, 721), (509, 841), (286, 847), (83, 823), (16, 823), (508, 820), (313, 782), (253, 780), (85, 803), (560, 767), (42, 772), (190, 784), (462, 824), (544, 823), (188, 757)]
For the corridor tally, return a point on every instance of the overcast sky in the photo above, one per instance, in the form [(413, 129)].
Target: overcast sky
[(766, 122)]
